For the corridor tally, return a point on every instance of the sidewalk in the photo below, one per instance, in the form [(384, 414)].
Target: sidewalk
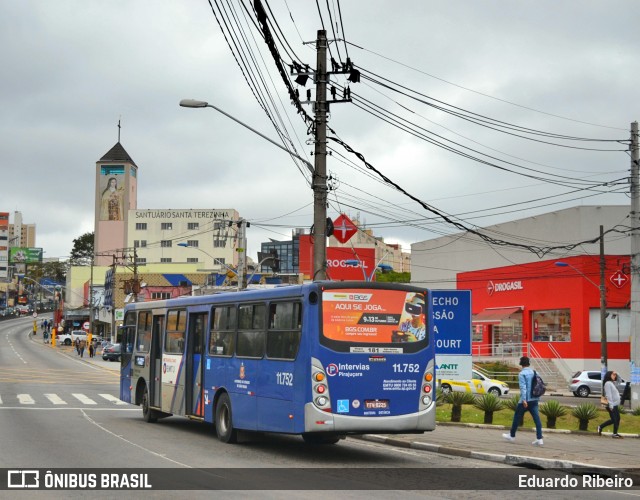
[(562, 449)]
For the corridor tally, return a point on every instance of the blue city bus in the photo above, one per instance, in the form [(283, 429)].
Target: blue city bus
[(322, 360)]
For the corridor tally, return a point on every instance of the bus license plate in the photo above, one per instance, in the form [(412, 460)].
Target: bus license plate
[(376, 404)]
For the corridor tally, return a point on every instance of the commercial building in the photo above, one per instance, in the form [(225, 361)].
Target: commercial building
[(520, 300), (551, 310)]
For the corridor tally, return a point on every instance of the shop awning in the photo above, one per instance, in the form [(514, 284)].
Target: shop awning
[(494, 316)]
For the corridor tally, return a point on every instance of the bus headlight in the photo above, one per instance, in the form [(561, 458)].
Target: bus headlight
[(426, 400), (321, 401)]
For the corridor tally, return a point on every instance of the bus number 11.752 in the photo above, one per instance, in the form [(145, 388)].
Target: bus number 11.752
[(284, 378), (406, 367)]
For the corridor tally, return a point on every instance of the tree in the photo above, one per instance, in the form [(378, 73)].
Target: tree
[(393, 277), (82, 252), (54, 271)]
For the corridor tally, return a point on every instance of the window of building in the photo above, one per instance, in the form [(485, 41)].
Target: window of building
[(160, 295), (477, 333), (165, 259), (553, 325), (165, 243), (176, 328), (193, 226), (219, 243), (192, 259), (285, 324), (223, 331), (165, 226), (251, 331), (141, 226), (141, 260), (193, 243)]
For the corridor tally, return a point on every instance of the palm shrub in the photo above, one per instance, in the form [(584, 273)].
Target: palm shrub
[(636, 411), (439, 396), (585, 412), (456, 400), (488, 403), (512, 404), (552, 410)]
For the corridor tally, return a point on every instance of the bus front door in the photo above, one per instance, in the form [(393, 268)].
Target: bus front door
[(155, 368), (195, 350)]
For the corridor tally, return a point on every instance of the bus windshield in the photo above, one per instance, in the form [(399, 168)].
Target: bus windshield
[(374, 317)]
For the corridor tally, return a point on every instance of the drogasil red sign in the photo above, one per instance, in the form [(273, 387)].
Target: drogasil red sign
[(504, 286)]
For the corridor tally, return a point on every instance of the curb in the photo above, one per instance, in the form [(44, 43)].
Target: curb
[(530, 429), (507, 459)]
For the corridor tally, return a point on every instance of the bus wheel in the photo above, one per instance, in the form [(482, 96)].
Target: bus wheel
[(224, 422), (317, 438), (148, 414)]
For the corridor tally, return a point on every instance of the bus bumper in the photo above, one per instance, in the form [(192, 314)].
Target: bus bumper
[(316, 420)]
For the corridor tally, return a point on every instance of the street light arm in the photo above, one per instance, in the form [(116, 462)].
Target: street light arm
[(193, 103), (566, 264)]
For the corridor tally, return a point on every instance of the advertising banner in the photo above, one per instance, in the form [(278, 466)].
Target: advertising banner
[(373, 316), (25, 255)]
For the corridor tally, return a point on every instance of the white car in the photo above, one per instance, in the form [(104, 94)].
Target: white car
[(78, 334), (479, 384)]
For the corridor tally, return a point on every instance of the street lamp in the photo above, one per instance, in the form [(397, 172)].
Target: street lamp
[(603, 310), (318, 186), (360, 264)]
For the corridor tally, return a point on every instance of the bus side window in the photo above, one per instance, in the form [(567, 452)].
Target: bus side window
[(223, 331), (283, 337), (176, 328), (144, 332), (251, 331)]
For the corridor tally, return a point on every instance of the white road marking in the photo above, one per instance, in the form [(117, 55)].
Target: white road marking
[(55, 399), (25, 399), (113, 399), (84, 399)]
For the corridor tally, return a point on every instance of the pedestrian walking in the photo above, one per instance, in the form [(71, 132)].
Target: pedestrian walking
[(610, 391), (77, 346), (527, 402), (82, 345), (91, 350)]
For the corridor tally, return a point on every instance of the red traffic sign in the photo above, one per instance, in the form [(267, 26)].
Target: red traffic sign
[(619, 279), (343, 228), (86, 325)]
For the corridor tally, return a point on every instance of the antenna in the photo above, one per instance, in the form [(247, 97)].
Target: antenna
[(118, 129)]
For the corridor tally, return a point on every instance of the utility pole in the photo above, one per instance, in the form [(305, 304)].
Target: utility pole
[(635, 270), (319, 183), (91, 314), (242, 254), (136, 283), (603, 308)]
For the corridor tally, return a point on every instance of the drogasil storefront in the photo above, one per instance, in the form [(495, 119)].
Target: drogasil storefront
[(554, 306)]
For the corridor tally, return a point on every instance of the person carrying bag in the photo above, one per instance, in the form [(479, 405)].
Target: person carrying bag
[(611, 397)]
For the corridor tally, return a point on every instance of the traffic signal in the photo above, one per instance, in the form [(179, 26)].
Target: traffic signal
[(275, 266)]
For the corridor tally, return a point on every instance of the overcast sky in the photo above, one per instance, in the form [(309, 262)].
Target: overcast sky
[(72, 69)]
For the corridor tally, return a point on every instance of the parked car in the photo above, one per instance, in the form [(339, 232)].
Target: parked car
[(479, 384), (587, 382), (78, 334), (63, 338), (111, 352)]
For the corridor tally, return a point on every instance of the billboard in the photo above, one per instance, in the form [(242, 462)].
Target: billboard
[(111, 186), (24, 255)]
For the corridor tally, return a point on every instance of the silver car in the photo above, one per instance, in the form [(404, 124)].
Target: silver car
[(587, 382)]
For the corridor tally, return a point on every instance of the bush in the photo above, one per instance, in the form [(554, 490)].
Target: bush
[(488, 403), (552, 410), (584, 413), (456, 400), (512, 404), (636, 412)]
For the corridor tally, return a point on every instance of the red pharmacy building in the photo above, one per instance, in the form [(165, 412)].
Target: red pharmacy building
[(551, 310)]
